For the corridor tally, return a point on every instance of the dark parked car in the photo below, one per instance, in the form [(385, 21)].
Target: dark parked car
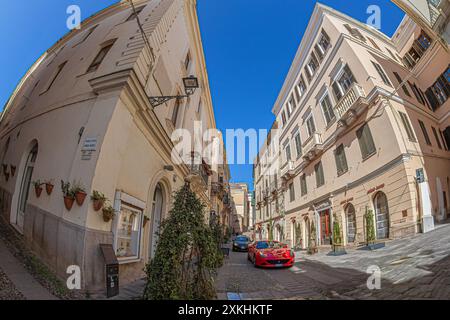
[(241, 243)]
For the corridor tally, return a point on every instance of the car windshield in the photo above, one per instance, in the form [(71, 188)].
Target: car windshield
[(243, 239), (269, 245)]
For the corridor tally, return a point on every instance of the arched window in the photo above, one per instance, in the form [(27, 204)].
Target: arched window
[(25, 183), (157, 215), (351, 223), (380, 204)]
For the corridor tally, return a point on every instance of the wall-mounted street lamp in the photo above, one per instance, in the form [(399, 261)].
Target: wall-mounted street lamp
[(190, 84)]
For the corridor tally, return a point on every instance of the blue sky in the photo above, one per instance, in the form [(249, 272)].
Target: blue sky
[(249, 46)]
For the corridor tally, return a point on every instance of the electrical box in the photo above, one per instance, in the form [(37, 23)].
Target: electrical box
[(111, 270)]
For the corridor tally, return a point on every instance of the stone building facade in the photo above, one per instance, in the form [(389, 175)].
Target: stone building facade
[(363, 126), (82, 114)]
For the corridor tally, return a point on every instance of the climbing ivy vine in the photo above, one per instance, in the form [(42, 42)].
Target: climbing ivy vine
[(187, 255)]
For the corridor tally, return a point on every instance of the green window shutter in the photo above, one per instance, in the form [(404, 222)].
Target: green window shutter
[(365, 140)]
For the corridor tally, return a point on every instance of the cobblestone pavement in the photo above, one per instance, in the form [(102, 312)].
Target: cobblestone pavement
[(7, 289), (414, 268)]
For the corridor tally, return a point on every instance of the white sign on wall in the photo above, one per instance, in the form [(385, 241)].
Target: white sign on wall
[(89, 147)]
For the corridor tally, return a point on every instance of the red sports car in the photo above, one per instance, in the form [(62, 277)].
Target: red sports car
[(270, 254)]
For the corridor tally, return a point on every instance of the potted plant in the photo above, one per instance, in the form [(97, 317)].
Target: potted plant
[(68, 193), (146, 219), (312, 247), (80, 194), (13, 170), (49, 186), (338, 247), (37, 188), (98, 199), (108, 213)]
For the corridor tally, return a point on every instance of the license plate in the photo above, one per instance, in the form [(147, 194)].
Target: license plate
[(279, 265)]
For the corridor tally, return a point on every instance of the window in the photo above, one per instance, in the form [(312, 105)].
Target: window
[(300, 89), (382, 74), (310, 126), (291, 105), (320, 54), (303, 185), (287, 150), (176, 111), (399, 79), (298, 145), (135, 13), (320, 179), (365, 140), (327, 109), (85, 36), (55, 76), (425, 133), (355, 33), (343, 83), (99, 58), (341, 160), (128, 233), (416, 92), (283, 117), (446, 146), (407, 126), (187, 61), (312, 67), (324, 43), (436, 137), (424, 41), (291, 192), (439, 92), (199, 107), (374, 43)]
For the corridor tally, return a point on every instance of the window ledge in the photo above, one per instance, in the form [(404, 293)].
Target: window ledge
[(369, 156), (339, 174), (128, 260)]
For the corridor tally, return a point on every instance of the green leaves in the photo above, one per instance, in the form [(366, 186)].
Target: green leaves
[(187, 254), (370, 226)]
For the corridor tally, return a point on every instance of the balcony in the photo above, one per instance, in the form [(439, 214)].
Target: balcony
[(350, 105), (274, 187), (217, 189), (199, 173), (312, 147), (287, 170)]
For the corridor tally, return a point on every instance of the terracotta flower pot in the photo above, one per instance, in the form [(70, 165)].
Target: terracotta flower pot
[(79, 197), (98, 204), (38, 191), (107, 216), (49, 188), (68, 202), (13, 170)]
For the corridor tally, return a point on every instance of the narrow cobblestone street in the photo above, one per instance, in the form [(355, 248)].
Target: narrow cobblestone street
[(413, 268)]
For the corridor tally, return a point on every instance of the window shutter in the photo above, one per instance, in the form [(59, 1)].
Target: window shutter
[(336, 91), (432, 99)]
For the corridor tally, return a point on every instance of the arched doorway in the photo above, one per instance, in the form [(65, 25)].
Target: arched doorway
[(157, 216), (381, 215), (351, 223), (307, 233), (293, 234), (25, 183)]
